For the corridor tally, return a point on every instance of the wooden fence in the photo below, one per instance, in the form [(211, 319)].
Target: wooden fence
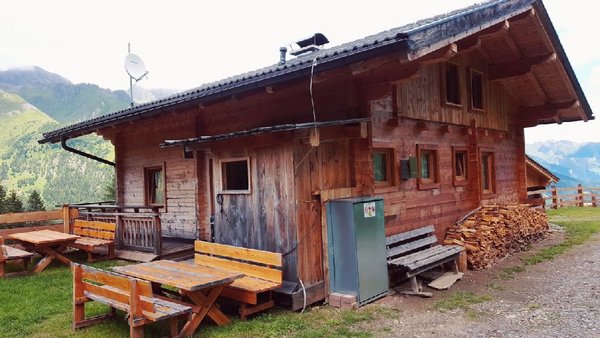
[(59, 220), (555, 198)]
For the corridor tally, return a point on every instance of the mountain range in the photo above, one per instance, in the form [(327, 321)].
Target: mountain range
[(66, 102), (572, 162), (33, 101)]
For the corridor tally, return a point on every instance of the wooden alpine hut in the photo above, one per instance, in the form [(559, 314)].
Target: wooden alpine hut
[(430, 116)]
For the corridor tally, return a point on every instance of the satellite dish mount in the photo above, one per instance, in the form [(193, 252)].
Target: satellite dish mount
[(135, 68)]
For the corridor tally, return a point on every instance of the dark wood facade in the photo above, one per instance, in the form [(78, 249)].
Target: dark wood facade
[(291, 174)]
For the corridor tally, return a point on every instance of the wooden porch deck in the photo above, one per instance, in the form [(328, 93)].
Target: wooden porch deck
[(172, 249)]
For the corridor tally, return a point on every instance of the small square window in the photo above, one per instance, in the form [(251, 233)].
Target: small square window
[(488, 173), (155, 186), (383, 170), (452, 84), (428, 167), (460, 160), (477, 90), (235, 174)]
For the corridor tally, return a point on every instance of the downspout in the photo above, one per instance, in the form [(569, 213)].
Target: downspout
[(63, 143)]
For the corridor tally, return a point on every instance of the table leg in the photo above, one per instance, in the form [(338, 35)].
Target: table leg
[(206, 303), (49, 255), (43, 263)]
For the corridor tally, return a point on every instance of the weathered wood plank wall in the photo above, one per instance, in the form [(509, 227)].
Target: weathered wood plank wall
[(265, 218), (410, 113), (137, 149)]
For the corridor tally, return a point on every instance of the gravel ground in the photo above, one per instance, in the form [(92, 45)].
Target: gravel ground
[(559, 298)]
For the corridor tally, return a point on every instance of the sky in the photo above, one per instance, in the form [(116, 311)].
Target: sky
[(187, 43)]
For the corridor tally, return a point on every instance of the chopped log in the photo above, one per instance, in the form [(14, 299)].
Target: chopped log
[(495, 231)]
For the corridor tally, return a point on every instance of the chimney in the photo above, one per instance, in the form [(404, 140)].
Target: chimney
[(282, 52)]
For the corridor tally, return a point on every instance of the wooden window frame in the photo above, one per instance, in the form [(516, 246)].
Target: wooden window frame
[(434, 167), (224, 161), (148, 184), (456, 179), (390, 167), (472, 71), (444, 93), (491, 175)]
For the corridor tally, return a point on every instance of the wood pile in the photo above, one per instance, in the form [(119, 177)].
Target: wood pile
[(492, 232)]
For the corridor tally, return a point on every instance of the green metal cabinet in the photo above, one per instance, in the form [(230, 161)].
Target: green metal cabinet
[(356, 248)]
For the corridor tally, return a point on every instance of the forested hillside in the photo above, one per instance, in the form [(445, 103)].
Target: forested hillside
[(60, 176)]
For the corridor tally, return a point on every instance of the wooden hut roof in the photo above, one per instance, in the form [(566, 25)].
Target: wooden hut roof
[(411, 42), (533, 164)]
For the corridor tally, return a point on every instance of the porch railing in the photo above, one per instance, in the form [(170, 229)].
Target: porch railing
[(138, 227)]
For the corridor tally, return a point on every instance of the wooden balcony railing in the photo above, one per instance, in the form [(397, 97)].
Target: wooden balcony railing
[(138, 227)]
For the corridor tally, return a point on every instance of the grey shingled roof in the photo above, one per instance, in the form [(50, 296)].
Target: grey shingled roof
[(411, 38)]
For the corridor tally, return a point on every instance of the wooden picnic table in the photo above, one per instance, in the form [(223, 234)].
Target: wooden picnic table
[(201, 284), (48, 243)]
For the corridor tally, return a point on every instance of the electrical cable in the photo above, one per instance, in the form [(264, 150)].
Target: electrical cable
[(304, 294), (310, 89), (312, 103)]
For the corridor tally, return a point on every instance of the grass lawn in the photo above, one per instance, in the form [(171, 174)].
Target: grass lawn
[(41, 305)]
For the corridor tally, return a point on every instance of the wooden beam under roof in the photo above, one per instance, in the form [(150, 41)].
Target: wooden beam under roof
[(501, 71), (537, 86), (440, 55), (475, 41), (531, 115), (544, 109)]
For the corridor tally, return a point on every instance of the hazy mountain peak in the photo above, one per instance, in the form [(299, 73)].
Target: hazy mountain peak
[(31, 75), (573, 162)]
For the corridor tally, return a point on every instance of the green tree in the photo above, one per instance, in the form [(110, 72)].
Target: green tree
[(35, 202), (13, 203), (2, 200), (109, 192)]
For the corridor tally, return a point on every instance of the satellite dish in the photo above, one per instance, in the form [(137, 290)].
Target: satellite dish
[(135, 67)]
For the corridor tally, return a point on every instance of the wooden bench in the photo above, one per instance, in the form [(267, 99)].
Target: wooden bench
[(262, 270), (8, 253), (93, 235), (417, 251), (134, 296)]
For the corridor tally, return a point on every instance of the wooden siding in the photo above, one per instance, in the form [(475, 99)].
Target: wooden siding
[(418, 117), (138, 149), (325, 167), (421, 97)]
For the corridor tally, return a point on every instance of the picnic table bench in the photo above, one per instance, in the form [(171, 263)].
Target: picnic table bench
[(416, 251), (48, 243), (261, 269), (128, 294), (94, 234), (198, 285), (8, 253)]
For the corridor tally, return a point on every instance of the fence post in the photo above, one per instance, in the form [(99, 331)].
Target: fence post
[(66, 215), (554, 197), (579, 195), (157, 229), (594, 200)]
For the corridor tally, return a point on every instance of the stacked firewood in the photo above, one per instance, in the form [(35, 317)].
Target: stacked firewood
[(494, 231)]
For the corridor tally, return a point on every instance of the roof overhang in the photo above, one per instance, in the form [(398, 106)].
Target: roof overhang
[(410, 43), (541, 169)]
